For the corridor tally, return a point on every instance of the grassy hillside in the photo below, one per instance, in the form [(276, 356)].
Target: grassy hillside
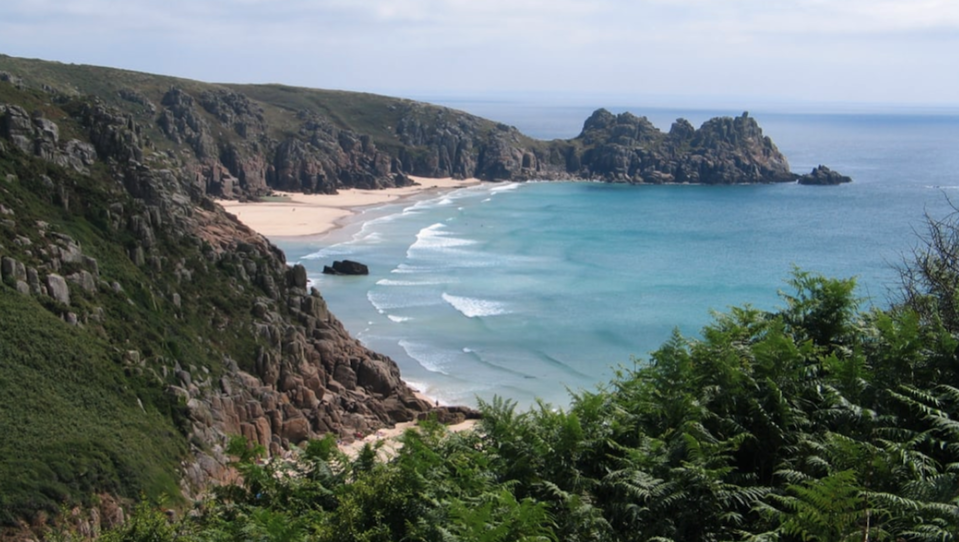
[(362, 113), (76, 418), (74, 423)]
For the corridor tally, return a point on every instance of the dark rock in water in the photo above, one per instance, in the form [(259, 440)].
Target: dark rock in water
[(346, 267), (823, 176)]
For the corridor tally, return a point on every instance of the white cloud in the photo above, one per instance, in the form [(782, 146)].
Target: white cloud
[(662, 46)]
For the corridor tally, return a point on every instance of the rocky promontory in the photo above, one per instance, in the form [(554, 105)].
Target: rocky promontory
[(242, 141), (627, 148)]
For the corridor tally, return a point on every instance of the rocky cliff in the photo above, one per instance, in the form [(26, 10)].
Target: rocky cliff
[(118, 239), (724, 150), (241, 141)]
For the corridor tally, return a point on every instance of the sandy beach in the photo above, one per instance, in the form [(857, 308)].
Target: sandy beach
[(295, 215)]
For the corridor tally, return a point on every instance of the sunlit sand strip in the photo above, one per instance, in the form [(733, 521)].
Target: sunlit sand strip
[(295, 215)]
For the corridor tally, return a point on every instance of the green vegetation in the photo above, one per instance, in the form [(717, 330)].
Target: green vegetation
[(76, 421), (362, 113), (72, 421), (79, 416), (819, 422)]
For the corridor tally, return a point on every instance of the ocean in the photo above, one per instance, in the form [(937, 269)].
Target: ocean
[(534, 290)]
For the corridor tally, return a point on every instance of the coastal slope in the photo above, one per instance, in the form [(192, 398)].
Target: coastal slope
[(142, 325)]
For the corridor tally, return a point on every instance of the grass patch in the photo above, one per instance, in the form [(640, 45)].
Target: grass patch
[(72, 421)]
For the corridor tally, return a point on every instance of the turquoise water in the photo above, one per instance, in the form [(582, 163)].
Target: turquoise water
[(525, 290)]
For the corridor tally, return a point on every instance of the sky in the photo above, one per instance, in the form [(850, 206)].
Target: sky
[(898, 52)]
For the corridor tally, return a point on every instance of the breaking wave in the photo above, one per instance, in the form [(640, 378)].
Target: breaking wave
[(472, 307)]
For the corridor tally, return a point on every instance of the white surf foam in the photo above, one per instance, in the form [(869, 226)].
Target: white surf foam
[(432, 203), (504, 187), (436, 239), (370, 231), (472, 307), (332, 251), (406, 269), (399, 319), (371, 238)]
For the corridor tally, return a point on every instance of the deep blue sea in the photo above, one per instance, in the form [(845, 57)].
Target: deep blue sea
[(530, 290)]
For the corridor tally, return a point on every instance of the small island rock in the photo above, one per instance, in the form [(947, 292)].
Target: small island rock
[(346, 267), (823, 176)]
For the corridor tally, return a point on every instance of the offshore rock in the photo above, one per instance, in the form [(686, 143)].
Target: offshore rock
[(823, 176), (346, 267)]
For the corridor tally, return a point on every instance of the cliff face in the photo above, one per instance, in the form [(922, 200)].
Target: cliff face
[(241, 141), (626, 148), (442, 143), (236, 153), (120, 242)]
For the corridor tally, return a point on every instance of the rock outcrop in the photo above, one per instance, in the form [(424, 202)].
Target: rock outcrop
[(823, 176), (346, 267), (38, 136), (453, 144), (236, 153), (725, 150)]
